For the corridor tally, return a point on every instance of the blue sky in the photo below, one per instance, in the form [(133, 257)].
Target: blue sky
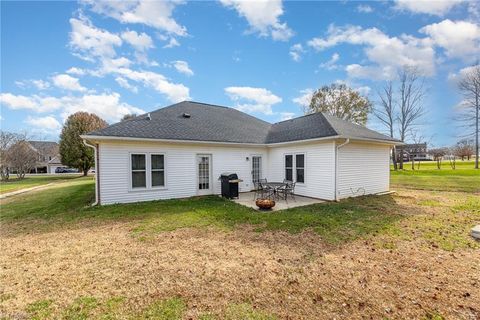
[(262, 57)]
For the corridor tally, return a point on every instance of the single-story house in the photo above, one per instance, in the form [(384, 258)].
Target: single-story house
[(181, 150)]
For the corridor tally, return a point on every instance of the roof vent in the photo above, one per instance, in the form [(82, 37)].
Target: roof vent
[(148, 116), (186, 115)]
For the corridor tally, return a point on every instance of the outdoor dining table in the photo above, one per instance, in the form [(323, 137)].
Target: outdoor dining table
[(274, 186)]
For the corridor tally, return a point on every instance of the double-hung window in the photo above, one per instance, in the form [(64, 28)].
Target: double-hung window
[(295, 167), (139, 171), (289, 167), (147, 170), (158, 170)]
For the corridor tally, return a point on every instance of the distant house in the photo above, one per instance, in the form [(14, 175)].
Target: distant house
[(181, 150), (415, 151), (48, 157)]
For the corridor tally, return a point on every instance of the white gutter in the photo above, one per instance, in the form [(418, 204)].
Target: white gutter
[(347, 141), (269, 145), (96, 170)]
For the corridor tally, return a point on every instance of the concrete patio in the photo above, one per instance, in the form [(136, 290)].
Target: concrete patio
[(247, 199)]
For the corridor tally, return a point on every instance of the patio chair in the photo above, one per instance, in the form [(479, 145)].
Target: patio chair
[(261, 189), (289, 189)]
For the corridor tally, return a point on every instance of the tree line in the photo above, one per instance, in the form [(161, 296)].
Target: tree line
[(401, 109)]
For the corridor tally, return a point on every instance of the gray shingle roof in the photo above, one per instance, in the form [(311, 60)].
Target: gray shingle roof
[(43, 145), (222, 124)]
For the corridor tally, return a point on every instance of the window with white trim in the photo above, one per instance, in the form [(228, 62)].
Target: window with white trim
[(295, 167), (157, 170), (300, 167), (289, 167), (139, 171)]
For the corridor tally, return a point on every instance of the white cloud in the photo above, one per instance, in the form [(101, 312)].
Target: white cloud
[(371, 72), (64, 81), (437, 7), (122, 82), (363, 90), (460, 39), (172, 43), (90, 41), (248, 99), (454, 77), (46, 123), (304, 98), (39, 84), (386, 53), (182, 67), (286, 116), (76, 71), (156, 14), (296, 52), (175, 92), (17, 101), (106, 105), (331, 64), (263, 17), (364, 8), (140, 41)]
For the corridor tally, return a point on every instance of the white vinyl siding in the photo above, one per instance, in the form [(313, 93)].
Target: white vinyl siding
[(362, 166), (180, 169), (319, 162), (363, 169)]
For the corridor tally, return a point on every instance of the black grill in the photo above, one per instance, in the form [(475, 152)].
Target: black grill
[(229, 185)]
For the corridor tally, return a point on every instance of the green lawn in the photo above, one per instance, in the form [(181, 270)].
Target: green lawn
[(336, 222), (428, 177), (14, 184)]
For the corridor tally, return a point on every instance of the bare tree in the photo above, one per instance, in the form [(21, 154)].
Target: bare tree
[(469, 87), (7, 139), (465, 148), (21, 157), (411, 95), (438, 154), (386, 113), (452, 158)]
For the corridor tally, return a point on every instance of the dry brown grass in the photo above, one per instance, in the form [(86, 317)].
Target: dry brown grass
[(290, 276)]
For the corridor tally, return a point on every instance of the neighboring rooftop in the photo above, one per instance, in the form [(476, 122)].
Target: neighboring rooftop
[(43, 146), (194, 121)]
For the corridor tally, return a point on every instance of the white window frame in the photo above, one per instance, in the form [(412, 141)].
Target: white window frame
[(304, 167), (158, 170), (130, 171), (148, 174), (294, 166), (285, 166)]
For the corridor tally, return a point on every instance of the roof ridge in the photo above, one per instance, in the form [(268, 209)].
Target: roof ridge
[(229, 108), (299, 117)]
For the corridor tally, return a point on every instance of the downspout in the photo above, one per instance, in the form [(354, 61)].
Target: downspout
[(96, 171), (347, 141)]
